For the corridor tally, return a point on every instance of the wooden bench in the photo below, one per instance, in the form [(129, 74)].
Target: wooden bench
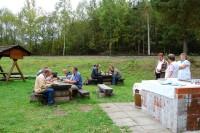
[(84, 93), (105, 90), (35, 97), (121, 81), (59, 97)]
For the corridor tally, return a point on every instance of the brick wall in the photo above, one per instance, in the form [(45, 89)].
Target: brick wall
[(179, 114), (189, 100)]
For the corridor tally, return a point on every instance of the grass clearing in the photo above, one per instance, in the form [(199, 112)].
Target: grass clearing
[(79, 115)]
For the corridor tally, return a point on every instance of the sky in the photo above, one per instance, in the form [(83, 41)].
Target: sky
[(47, 5)]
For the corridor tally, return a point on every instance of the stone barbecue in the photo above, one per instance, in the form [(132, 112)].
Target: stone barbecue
[(176, 104)]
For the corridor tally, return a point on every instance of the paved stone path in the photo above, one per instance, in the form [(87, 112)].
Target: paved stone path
[(137, 121)]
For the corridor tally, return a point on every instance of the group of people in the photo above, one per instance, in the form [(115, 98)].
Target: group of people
[(45, 78), (166, 68), (170, 68), (112, 71)]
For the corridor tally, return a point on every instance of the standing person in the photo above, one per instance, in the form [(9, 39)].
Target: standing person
[(116, 74), (172, 68), (96, 74), (184, 68), (161, 66), (42, 86)]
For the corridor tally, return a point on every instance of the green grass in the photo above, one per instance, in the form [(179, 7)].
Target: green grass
[(18, 115)]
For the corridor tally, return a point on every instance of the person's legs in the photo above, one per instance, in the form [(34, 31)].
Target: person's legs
[(162, 75), (157, 75), (49, 94), (73, 90), (114, 79)]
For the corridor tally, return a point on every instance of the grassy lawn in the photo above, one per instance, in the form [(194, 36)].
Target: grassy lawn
[(79, 115)]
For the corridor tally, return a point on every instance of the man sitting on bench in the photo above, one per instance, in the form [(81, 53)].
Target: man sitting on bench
[(75, 79), (96, 74), (42, 86), (116, 74)]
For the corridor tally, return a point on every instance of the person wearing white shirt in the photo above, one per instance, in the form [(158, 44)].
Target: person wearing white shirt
[(172, 68), (184, 68), (161, 66)]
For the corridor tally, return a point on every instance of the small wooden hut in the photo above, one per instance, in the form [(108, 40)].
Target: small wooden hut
[(15, 52)]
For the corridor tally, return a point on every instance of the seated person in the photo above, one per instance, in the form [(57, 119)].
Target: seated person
[(53, 77), (96, 74), (41, 71), (184, 72), (172, 68), (75, 80), (67, 73), (42, 86), (116, 74)]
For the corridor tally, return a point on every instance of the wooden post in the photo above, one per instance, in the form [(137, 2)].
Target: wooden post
[(11, 70), (20, 72), (2, 72)]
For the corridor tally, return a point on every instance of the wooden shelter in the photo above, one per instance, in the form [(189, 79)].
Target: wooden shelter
[(15, 52)]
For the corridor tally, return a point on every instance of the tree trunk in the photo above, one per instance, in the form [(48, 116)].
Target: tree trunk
[(185, 46), (64, 46), (138, 47), (143, 51), (110, 48), (148, 35)]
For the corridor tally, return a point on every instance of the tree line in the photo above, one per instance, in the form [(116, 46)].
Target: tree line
[(106, 27)]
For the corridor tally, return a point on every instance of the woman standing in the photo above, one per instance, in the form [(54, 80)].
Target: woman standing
[(172, 68), (184, 68), (161, 66)]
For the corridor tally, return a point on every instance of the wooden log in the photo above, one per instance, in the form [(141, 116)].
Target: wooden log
[(62, 93), (62, 99), (84, 93), (108, 91)]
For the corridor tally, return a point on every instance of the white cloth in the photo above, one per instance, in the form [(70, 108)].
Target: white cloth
[(167, 90), (159, 66), (172, 70), (184, 74)]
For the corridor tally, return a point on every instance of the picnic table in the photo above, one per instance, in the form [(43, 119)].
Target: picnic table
[(107, 78), (62, 92), (58, 85)]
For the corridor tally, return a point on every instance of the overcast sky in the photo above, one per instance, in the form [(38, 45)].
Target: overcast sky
[(47, 5)]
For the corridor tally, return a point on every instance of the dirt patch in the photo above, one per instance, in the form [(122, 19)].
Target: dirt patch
[(60, 112), (85, 108)]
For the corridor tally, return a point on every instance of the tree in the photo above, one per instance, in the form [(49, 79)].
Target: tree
[(64, 13), (182, 15), (7, 27), (28, 24), (111, 17)]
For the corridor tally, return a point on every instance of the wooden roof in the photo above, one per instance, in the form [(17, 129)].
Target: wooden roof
[(5, 50)]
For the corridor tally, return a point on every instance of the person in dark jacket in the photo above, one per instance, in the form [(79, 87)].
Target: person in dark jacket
[(161, 66), (96, 74)]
